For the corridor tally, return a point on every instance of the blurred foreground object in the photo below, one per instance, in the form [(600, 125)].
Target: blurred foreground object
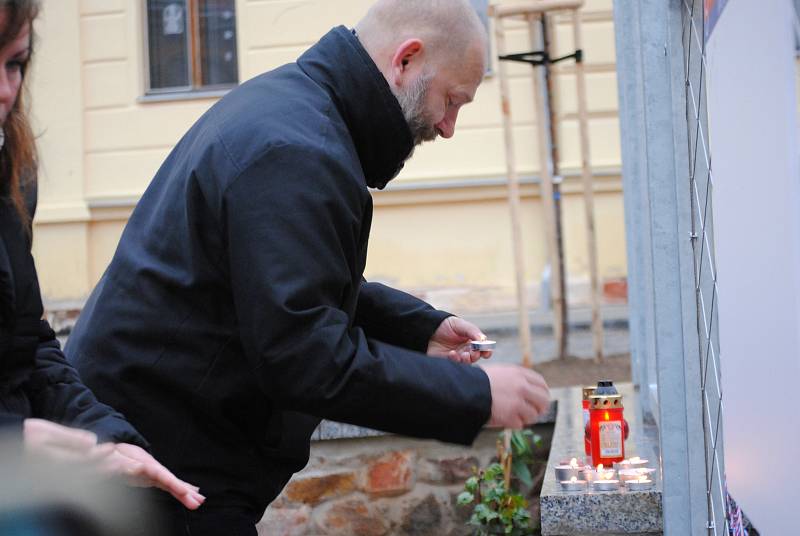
[(42, 498)]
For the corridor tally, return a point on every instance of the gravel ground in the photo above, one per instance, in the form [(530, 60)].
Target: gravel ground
[(577, 369)]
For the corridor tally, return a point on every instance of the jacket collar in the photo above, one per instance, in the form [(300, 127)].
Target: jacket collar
[(379, 130)]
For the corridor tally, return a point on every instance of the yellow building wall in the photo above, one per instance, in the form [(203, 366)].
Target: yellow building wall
[(443, 224)]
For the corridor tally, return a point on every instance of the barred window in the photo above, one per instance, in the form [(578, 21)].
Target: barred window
[(191, 45)]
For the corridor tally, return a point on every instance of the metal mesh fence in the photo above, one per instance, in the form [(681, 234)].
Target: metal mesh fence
[(701, 186)]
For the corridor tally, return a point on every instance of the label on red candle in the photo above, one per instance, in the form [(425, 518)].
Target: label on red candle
[(610, 439)]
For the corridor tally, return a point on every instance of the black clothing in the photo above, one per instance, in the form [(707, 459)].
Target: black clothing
[(234, 315), (35, 379)]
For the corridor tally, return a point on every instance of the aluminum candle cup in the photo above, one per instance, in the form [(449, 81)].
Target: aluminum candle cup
[(639, 485), (605, 485), (635, 474), (567, 472), (632, 463), (482, 346), (573, 485), (575, 462), (590, 475)]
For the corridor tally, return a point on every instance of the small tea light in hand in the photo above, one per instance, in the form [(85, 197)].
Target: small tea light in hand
[(482, 345), (573, 484)]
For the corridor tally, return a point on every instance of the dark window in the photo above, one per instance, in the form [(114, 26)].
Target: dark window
[(191, 45)]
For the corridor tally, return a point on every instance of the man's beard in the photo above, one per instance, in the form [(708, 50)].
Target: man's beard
[(412, 102)]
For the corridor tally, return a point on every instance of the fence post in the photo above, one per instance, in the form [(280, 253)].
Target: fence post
[(650, 56)]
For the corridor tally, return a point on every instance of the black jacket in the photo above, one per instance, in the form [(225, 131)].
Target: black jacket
[(234, 309), (35, 379)]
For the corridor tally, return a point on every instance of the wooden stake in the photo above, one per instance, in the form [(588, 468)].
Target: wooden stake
[(588, 194), (514, 201), (546, 188)]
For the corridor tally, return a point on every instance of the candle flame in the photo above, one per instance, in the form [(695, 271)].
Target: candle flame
[(573, 479), (599, 467), (573, 462)]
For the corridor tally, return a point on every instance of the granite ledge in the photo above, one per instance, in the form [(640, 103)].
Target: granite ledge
[(599, 513)]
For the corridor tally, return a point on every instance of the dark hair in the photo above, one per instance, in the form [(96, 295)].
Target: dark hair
[(18, 158)]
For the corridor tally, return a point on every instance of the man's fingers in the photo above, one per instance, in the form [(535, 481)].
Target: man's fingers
[(536, 398), (466, 329), (519, 395)]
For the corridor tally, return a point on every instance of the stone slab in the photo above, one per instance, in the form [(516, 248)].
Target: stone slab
[(599, 513), (329, 430)]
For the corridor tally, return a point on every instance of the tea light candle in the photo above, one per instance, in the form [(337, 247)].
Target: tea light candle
[(605, 485), (632, 463), (634, 474), (599, 474), (482, 346), (605, 480), (566, 472), (573, 484), (641, 484)]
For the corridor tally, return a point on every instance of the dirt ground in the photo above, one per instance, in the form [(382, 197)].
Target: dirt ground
[(581, 371)]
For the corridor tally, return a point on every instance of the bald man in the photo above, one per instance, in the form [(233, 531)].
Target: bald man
[(234, 315)]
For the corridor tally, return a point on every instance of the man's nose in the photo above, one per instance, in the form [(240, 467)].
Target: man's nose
[(447, 126)]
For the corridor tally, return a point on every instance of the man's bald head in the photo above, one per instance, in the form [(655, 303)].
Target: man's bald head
[(433, 56), (450, 30)]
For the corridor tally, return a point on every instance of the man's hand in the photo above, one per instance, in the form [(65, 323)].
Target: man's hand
[(61, 443), (451, 340), (142, 470), (519, 395)]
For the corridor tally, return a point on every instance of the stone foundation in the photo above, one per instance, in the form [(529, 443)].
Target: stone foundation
[(377, 486)]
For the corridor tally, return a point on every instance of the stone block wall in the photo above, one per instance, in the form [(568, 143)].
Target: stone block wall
[(377, 486)]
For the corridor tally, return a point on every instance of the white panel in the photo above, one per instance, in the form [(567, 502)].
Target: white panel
[(757, 227)]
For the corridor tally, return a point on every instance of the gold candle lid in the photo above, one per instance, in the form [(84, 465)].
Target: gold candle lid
[(588, 391), (605, 401)]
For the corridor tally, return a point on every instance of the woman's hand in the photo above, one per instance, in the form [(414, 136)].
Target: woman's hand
[(136, 465), (61, 443), (140, 469)]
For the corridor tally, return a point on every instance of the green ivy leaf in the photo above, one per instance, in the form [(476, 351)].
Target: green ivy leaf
[(465, 498), (471, 484), (521, 470), (485, 513), (493, 471)]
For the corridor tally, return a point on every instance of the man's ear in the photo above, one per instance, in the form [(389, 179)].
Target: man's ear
[(406, 59)]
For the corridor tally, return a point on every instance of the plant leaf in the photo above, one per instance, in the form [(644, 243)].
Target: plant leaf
[(465, 498), (522, 472)]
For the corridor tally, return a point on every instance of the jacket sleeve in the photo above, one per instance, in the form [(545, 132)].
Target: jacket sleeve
[(392, 316), (57, 394), (294, 226)]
